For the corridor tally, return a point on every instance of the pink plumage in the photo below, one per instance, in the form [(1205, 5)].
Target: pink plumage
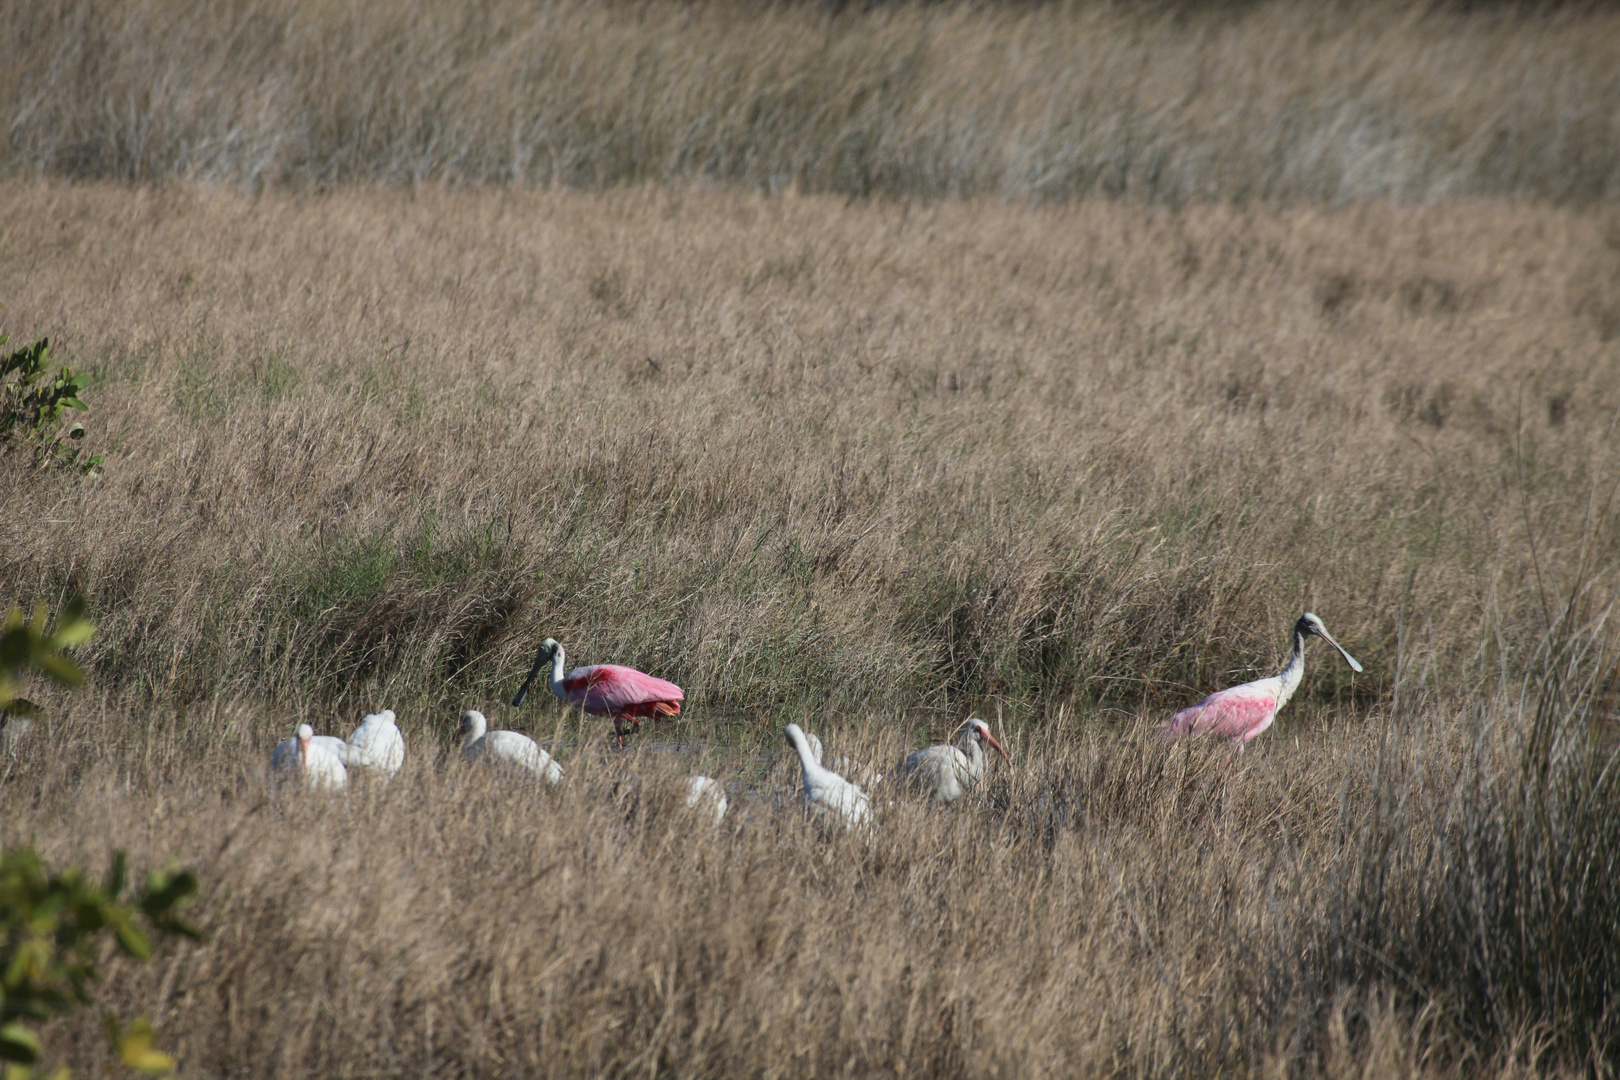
[(616, 690), (605, 689), (1241, 712)]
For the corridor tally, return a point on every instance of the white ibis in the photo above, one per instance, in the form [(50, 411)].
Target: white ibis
[(312, 757), (826, 794), (377, 745), (12, 731), (1242, 712), (946, 772), (508, 748), (861, 774), (705, 790), (605, 690)]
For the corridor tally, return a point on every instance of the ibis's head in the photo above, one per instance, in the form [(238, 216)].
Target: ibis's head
[(978, 730), (472, 725), (1310, 625), (794, 735)]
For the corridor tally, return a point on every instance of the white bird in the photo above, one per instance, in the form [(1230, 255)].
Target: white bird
[(944, 772), (12, 731), (862, 774), (505, 748), (312, 757), (377, 745), (700, 789), (826, 794)]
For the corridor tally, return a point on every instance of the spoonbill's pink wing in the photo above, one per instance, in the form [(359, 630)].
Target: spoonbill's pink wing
[(1239, 713), (612, 689)]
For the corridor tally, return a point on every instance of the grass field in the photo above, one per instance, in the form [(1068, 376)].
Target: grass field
[(1175, 101), (787, 352), (869, 467)]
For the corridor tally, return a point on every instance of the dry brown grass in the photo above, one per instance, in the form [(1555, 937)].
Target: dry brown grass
[(859, 466), (1274, 101), (1112, 907)]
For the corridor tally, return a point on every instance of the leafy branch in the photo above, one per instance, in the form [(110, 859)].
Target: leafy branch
[(32, 405)]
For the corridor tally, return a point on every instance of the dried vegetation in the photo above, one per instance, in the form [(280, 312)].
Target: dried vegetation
[(866, 467), (1175, 101)]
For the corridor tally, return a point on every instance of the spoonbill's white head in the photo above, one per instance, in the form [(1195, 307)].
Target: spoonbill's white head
[(1310, 625), (549, 650)]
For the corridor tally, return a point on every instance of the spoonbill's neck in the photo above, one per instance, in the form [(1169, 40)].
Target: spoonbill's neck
[(1289, 676), (556, 678)]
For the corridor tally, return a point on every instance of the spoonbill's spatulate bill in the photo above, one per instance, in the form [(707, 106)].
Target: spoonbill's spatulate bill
[(377, 745), (605, 690), (1242, 712), (509, 748), (304, 755), (945, 772), (826, 794)]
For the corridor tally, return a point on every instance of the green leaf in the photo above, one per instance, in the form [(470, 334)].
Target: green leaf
[(131, 939), (60, 668), (135, 1049), (18, 1044)]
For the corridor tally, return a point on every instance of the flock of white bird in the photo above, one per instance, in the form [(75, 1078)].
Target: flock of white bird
[(943, 773)]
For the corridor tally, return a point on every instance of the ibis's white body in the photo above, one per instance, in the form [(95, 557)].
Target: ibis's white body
[(509, 748), (850, 769), (303, 755), (377, 745), (12, 731), (827, 795), (706, 791), (945, 773)]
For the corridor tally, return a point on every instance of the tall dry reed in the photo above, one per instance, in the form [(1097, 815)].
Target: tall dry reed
[(856, 465), (799, 455), (1280, 101)]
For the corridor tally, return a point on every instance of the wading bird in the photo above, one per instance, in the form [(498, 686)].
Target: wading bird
[(946, 772), (311, 756), (826, 794), (705, 790), (505, 748), (377, 745), (1242, 712), (605, 690)]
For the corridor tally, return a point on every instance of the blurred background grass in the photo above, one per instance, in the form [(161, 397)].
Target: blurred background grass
[(1273, 101)]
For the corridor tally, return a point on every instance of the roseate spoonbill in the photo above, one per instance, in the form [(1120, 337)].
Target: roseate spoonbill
[(702, 790), (505, 748), (826, 794), (605, 690), (1242, 712), (945, 772), (319, 765), (377, 745)]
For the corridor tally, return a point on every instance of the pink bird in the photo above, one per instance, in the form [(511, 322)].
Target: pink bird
[(1242, 712), (606, 690)]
